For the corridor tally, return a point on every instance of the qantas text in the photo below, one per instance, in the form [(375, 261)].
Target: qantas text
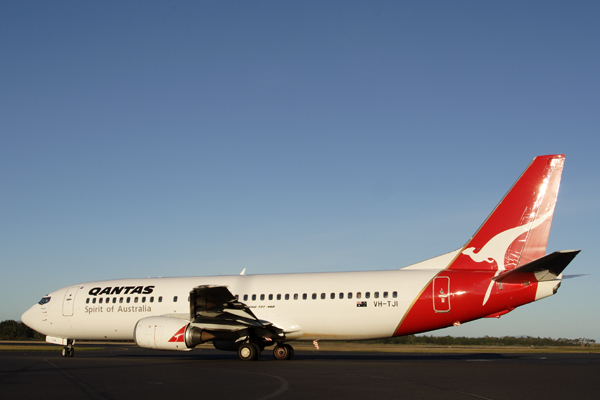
[(121, 290)]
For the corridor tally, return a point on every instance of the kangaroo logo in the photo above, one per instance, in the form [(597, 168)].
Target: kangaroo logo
[(497, 247), (178, 337)]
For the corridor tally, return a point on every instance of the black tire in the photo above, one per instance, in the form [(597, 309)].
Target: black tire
[(290, 351), (248, 352), (258, 351), (65, 352), (280, 352), (71, 352), (283, 352)]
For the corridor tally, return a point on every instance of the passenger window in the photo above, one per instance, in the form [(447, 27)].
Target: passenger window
[(160, 299), (94, 300), (114, 300), (295, 296), (287, 296), (100, 300), (385, 295), (135, 299), (304, 296), (262, 297), (278, 296), (358, 295), (143, 299), (152, 299), (341, 295), (323, 296), (314, 296), (120, 299), (349, 295), (129, 299), (332, 296), (376, 295), (174, 299), (87, 300), (394, 294), (253, 297), (237, 297), (270, 297), (245, 297), (367, 295)]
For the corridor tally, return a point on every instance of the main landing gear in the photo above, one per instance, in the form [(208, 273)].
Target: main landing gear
[(68, 350), (250, 351), (283, 351)]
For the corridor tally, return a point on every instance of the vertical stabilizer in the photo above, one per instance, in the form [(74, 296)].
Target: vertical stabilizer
[(516, 232)]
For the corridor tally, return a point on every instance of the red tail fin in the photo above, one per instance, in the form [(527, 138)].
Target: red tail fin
[(517, 230)]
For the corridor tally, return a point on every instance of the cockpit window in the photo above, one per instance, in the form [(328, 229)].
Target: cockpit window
[(44, 300)]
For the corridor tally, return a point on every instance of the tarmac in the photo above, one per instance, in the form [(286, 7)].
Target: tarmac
[(124, 371)]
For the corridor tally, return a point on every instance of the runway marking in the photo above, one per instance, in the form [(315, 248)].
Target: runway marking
[(284, 387), (87, 389)]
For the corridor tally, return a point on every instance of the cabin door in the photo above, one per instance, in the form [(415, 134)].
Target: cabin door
[(69, 301), (441, 294)]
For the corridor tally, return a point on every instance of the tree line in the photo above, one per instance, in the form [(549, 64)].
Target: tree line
[(485, 341), (13, 330)]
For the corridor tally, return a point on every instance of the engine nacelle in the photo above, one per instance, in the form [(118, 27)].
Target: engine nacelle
[(167, 333), (162, 333)]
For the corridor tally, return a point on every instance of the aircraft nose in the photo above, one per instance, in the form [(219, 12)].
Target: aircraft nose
[(32, 317)]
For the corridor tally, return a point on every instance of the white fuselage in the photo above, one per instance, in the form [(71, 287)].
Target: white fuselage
[(348, 305)]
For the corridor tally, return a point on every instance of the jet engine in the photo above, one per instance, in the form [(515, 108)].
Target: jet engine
[(167, 333)]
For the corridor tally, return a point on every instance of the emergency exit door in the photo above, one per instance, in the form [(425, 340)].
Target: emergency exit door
[(441, 294)]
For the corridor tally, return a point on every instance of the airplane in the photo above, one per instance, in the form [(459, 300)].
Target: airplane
[(503, 266)]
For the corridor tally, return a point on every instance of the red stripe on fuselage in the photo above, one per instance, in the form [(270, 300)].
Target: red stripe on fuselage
[(465, 299)]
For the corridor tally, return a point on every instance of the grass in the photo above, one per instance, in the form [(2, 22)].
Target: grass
[(22, 347)]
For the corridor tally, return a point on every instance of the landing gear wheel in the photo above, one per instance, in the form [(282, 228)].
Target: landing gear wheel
[(249, 352), (68, 350), (283, 352), (290, 351), (280, 353)]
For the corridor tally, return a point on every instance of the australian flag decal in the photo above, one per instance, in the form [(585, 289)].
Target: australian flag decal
[(361, 304)]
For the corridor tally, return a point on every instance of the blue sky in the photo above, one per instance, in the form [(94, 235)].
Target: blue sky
[(200, 138)]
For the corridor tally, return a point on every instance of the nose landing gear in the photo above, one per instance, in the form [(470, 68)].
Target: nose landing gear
[(68, 350)]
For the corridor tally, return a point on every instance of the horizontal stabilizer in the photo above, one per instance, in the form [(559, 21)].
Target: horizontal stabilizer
[(545, 268), (573, 276)]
